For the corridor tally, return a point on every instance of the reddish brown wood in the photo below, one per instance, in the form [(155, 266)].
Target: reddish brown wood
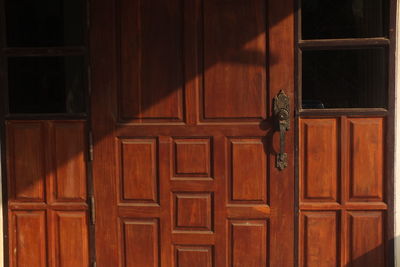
[(320, 239), (365, 239), (71, 238), (28, 238), (69, 158), (140, 243), (342, 200), (319, 160), (138, 170), (26, 161), (366, 159), (184, 156), (242, 189), (188, 256), (192, 157), (48, 213)]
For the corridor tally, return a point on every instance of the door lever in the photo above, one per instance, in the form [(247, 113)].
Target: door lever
[(281, 112)]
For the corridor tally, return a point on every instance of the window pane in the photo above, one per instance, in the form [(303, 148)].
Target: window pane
[(344, 78), (329, 19), (46, 84), (45, 22)]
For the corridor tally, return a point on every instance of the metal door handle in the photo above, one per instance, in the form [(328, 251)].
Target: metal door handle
[(281, 112)]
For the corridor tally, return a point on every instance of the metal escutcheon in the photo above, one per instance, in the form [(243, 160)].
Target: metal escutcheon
[(281, 112)]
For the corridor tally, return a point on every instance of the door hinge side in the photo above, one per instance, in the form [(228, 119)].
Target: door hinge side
[(92, 210), (90, 146)]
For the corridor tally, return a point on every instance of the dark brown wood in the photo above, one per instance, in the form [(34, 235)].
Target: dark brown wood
[(184, 143)]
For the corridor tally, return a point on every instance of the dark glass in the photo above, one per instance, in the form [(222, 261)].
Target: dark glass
[(46, 84), (35, 23), (330, 19), (355, 78)]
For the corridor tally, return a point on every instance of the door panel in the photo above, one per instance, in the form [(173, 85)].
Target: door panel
[(184, 136), (343, 204), (47, 205)]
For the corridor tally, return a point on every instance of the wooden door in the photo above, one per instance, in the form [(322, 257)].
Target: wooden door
[(185, 140)]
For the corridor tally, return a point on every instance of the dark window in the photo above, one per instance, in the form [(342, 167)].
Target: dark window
[(46, 84), (344, 54), (328, 19), (45, 23), (45, 57), (345, 78)]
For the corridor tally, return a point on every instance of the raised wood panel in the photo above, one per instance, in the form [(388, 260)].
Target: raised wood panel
[(365, 239), (319, 158), (366, 158), (28, 239), (140, 243), (235, 59), (26, 160), (248, 182), (194, 256), (71, 239), (151, 47), (193, 211), (69, 150), (248, 243), (138, 170), (319, 239), (192, 157)]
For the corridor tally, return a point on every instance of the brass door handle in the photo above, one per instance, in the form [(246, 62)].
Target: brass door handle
[(281, 112)]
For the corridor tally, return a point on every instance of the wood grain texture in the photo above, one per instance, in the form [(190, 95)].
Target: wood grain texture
[(28, 239), (248, 246), (320, 235), (319, 159), (366, 158), (69, 149), (151, 60), (53, 229), (193, 211), (140, 243), (235, 54), (191, 256), (138, 170), (192, 157), (248, 182), (71, 234), (365, 239), (225, 96), (353, 226), (26, 161)]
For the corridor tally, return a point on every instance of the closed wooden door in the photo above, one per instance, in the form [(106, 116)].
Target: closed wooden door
[(185, 137)]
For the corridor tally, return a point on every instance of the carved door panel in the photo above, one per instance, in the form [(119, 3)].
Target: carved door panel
[(185, 137)]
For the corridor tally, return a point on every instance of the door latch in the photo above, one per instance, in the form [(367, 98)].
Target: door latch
[(281, 112)]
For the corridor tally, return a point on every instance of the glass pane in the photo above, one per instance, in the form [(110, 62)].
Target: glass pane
[(46, 84), (329, 19), (344, 78), (45, 22)]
